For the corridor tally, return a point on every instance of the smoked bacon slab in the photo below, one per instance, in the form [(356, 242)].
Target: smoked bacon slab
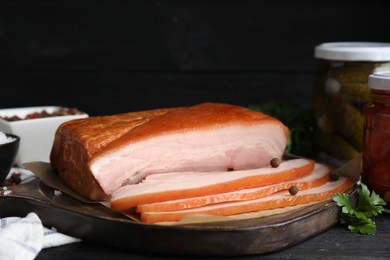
[(98, 155)]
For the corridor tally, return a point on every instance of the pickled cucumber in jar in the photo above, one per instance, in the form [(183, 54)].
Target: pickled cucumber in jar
[(340, 92)]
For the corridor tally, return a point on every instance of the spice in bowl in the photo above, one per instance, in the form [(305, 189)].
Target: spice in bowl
[(5, 139), (9, 146)]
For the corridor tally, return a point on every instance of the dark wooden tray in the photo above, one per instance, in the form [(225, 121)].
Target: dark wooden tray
[(97, 223)]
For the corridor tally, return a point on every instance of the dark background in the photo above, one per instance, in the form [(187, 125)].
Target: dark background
[(111, 56)]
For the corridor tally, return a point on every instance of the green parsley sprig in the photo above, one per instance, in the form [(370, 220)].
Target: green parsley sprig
[(358, 218)]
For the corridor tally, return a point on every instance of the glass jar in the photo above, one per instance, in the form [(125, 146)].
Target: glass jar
[(376, 153), (340, 93)]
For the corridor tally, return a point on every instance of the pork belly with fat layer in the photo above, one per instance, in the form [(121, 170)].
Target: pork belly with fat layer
[(96, 156)]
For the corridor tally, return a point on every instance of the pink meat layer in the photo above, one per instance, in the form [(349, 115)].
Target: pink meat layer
[(235, 147)]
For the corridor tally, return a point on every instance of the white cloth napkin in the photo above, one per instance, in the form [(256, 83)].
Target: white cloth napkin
[(23, 238)]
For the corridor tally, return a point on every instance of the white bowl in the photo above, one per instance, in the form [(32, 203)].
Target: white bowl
[(36, 135)]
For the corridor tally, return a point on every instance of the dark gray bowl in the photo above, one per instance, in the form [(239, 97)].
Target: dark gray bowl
[(8, 152)]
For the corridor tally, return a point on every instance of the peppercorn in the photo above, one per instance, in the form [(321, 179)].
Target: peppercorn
[(293, 190), (275, 162), (334, 176)]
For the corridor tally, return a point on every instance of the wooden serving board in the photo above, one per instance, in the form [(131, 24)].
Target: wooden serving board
[(97, 223)]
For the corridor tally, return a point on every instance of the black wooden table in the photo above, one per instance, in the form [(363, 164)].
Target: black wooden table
[(335, 243)]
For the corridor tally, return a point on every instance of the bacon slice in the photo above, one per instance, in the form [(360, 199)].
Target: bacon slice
[(172, 186), (276, 200), (319, 176)]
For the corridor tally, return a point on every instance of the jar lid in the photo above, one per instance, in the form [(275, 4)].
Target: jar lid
[(379, 80), (353, 51)]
